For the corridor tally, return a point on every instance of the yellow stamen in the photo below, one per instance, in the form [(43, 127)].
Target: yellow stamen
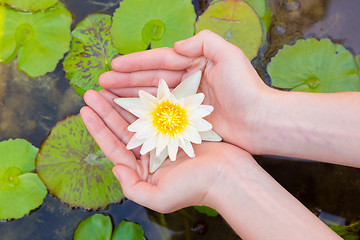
[(169, 118)]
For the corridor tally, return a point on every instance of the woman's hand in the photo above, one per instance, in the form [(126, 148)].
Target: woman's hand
[(175, 185), (229, 82), (221, 176)]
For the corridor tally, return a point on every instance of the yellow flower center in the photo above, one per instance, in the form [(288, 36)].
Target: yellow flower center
[(169, 118)]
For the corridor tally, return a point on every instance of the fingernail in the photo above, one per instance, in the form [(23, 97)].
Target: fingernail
[(180, 42)]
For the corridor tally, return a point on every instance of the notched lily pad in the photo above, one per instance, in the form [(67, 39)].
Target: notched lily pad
[(159, 23), (91, 52), (21, 191), (128, 230), (30, 5), (99, 227), (39, 39), (314, 66), (235, 21), (74, 169)]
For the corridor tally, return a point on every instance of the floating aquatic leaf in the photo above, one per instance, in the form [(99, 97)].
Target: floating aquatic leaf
[(74, 169), (206, 210), (30, 5), (99, 227), (159, 23), (235, 21), (91, 52), (314, 66), (21, 190), (39, 39), (263, 10), (129, 231), (357, 59), (351, 232), (96, 227)]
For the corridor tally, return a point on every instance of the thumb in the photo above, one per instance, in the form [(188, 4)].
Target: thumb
[(208, 44)]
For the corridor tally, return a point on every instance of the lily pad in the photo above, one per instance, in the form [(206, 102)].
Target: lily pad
[(357, 60), (129, 231), (96, 227), (206, 210), (159, 23), (350, 232), (39, 39), (91, 52), (314, 66), (235, 21), (74, 169), (21, 191), (99, 227), (30, 5), (263, 10)]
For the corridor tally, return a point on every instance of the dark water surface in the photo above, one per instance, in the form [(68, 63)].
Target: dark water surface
[(29, 108)]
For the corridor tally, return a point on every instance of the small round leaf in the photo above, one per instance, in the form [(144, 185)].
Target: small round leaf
[(129, 231), (96, 227), (20, 190), (314, 66), (30, 5), (91, 52), (159, 23), (39, 39), (74, 169), (235, 21), (206, 210)]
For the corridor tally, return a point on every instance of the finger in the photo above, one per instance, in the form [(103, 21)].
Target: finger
[(208, 44), (109, 96), (109, 115), (147, 78), (132, 92), (159, 58), (127, 116), (111, 146)]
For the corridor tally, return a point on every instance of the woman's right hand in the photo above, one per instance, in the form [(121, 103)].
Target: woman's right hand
[(229, 82)]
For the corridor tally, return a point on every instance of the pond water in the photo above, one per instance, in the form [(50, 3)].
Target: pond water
[(31, 107)]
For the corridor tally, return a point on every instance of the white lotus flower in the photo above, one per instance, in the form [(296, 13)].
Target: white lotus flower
[(169, 121)]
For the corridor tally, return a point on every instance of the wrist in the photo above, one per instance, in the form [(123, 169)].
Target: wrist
[(258, 121), (236, 167)]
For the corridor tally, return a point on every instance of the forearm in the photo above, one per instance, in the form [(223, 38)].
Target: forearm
[(317, 126), (257, 207)]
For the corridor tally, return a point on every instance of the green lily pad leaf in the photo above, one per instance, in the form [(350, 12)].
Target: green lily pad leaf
[(351, 232), (91, 52), (263, 10), (357, 60), (235, 21), (30, 5), (159, 23), (314, 66), (39, 39), (96, 227), (17, 160), (74, 169), (206, 210), (129, 231)]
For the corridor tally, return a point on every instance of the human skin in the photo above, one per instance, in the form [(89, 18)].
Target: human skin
[(247, 114)]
